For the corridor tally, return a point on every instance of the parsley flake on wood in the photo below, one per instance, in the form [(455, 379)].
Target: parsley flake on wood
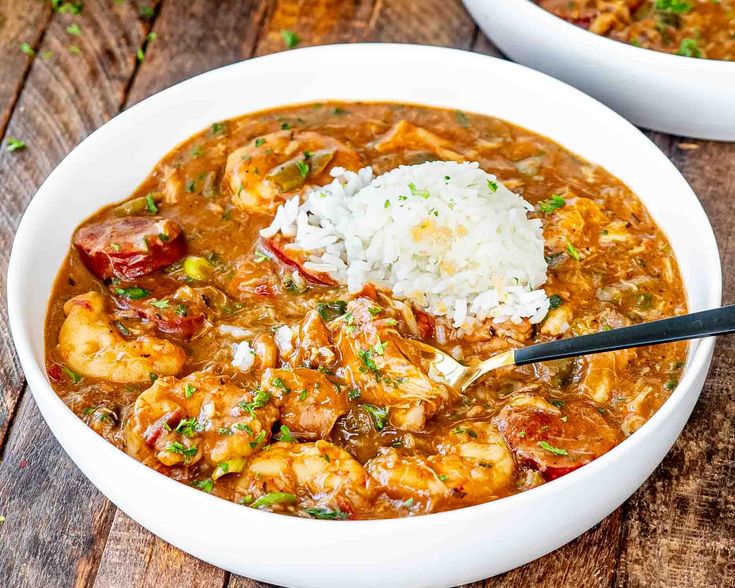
[(15, 144), (26, 48), (290, 39)]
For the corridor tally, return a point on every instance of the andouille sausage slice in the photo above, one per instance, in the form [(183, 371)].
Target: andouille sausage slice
[(131, 247), (558, 441)]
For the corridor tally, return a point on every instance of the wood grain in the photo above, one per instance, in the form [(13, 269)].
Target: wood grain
[(680, 526), (193, 36), (135, 557), (19, 23), (64, 99), (678, 530), (56, 522)]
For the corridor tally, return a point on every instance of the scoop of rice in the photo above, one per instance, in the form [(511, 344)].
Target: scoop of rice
[(446, 236)]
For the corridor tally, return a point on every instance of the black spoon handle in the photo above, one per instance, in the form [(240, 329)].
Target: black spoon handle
[(718, 321)]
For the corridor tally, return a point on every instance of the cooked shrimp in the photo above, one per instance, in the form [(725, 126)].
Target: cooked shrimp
[(200, 417), (319, 474), (263, 172), (383, 366), (92, 346), (473, 465)]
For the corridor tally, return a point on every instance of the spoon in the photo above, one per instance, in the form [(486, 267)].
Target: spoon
[(718, 321)]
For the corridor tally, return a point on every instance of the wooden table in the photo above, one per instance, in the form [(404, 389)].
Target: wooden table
[(677, 530)]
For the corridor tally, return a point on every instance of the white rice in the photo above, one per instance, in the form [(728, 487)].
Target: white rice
[(243, 356), (446, 236), (284, 339)]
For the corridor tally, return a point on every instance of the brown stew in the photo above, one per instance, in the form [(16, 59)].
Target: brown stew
[(156, 292), (692, 28)]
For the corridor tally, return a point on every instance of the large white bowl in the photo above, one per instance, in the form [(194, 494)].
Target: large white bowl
[(659, 91), (434, 550)]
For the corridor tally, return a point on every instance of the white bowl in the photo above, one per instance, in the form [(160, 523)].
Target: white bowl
[(655, 90), (434, 550)]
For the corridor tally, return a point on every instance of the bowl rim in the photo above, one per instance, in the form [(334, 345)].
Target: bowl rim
[(697, 361), (623, 51)]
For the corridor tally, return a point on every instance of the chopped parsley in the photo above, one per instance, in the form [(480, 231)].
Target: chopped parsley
[(180, 309), (554, 203), (74, 29), (217, 128), (353, 394), (689, 48), (416, 192), (303, 168), (15, 145), (259, 141), (26, 48), (555, 301), (187, 428), (331, 310), (181, 449), (207, 485), (189, 391), (325, 513), (462, 431), (259, 438), (286, 435), (290, 39), (378, 414), (160, 303), (279, 384), (245, 427), (671, 384), (673, 6), (550, 448), (493, 186), (260, 399), (379, 348), (226, 432)]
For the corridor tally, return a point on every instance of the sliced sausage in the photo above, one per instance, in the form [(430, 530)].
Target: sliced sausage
[(130, 247), (557, 443), (276, 247)]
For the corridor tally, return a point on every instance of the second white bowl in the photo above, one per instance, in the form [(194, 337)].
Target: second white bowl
[(659, 91)]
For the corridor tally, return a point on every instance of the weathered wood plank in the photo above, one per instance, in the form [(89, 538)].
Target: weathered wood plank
[(680, 526), (192, 37), (430, 22), (65, 98), (316, 22), (20, 22), (135, 557), (56, 522)]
